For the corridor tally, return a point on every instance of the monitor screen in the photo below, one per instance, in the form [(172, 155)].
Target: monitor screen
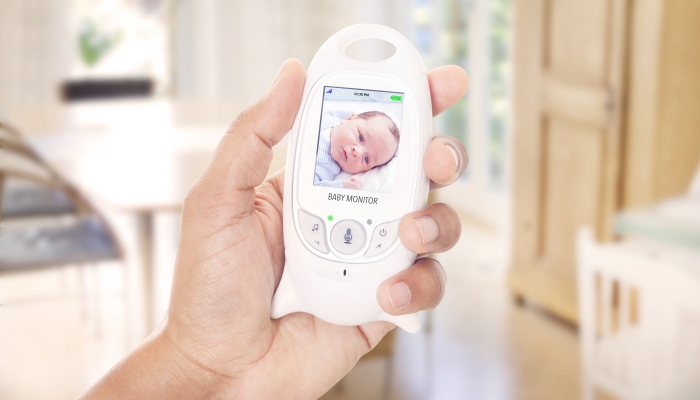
[(358, 139)]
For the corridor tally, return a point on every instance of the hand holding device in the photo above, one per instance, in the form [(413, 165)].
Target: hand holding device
[(369, 118), (218, 339)]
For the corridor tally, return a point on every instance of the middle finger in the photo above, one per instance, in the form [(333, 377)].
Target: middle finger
[(444, 161), (433, 229)]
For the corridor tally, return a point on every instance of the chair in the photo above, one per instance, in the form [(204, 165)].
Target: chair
[(639, 318), (10, 138), (26, 198), (46, 223), (29, 190)]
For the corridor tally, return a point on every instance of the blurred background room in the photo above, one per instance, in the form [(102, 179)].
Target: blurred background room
[(577, 274)]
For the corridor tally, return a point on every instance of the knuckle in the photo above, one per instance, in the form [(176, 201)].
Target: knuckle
[(434, 277), (453, 217), (246, 117), (197, 197), (192, 197), (251, 120), (450, 220)]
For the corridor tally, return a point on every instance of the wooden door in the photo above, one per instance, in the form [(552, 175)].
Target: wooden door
[(568, 66)]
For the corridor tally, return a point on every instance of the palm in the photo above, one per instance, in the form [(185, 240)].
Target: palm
[(231, 257), (239, 267)]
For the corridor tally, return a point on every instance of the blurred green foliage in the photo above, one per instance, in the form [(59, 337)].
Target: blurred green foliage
[(94, 44)]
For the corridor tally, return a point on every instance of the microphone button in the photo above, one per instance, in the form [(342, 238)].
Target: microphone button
[(348, 237)]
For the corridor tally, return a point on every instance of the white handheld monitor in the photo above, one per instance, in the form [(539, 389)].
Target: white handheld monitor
[(354, 168)]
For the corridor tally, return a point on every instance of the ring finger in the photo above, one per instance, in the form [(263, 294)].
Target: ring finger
[(420, 287)]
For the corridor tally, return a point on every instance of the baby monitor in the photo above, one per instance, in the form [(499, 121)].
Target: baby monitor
[(354, 168)]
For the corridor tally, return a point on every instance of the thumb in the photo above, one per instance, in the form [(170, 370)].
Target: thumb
[(243, 156)]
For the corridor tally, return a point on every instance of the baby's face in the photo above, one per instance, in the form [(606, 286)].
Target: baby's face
[(358, 145)]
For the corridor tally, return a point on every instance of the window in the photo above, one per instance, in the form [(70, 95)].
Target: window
[(474, 34), (499, 14), (121, 39)]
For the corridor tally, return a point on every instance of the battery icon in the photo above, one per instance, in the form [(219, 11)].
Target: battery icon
[(397, 98)]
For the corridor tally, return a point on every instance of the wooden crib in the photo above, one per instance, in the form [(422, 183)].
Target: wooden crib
[(639, 309)]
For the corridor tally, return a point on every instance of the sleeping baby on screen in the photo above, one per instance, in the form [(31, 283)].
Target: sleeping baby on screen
[(354, 144)]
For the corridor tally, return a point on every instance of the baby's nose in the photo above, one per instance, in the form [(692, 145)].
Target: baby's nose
[(355, 152)]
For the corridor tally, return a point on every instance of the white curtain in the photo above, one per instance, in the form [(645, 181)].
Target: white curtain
[(35, 51), (231, 49)]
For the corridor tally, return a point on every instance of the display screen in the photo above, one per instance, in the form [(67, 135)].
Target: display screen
[(358, 140)]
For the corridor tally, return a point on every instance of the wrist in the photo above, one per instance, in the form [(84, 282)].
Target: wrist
[(158, 369), (187, 374)]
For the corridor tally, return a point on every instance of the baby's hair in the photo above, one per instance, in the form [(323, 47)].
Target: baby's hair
[(392, 126)]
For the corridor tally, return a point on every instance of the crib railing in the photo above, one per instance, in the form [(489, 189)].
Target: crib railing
[(639, 317)]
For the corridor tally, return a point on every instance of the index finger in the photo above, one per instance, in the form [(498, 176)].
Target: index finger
[(447, 85), (445, 158)]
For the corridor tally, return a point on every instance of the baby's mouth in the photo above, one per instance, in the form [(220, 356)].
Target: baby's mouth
[(345, 154)]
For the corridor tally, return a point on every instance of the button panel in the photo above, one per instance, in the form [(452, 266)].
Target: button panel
[(314, 231), (348, 237), (383, 237)]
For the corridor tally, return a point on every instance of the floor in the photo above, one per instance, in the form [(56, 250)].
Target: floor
[(479, 344), (476, 345)]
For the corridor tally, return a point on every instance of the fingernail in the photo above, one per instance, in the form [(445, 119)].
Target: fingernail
[(428, 229), (454, 154), (399, 295)]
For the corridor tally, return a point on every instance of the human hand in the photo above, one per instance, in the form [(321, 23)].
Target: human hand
[(353, 182), (217, 339)]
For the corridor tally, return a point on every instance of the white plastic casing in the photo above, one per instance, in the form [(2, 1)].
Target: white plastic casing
[(338, 288)]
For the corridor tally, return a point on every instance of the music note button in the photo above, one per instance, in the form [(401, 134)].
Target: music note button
[(313, 230)]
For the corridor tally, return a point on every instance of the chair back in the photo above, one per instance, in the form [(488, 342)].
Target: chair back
[(20, 163), (17, 149), (16, 159), (10, 138), (17, 164)]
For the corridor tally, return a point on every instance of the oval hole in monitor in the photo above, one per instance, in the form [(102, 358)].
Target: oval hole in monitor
[(370, 50)]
